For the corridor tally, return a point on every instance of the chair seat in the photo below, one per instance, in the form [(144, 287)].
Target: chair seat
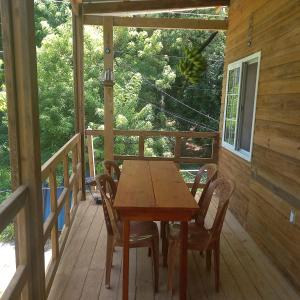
[(140, 231), (198, 236)]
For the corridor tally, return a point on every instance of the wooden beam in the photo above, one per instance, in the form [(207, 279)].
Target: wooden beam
[(148, 6), (17, 19), (77, 21), (161, 23), (108, 88)]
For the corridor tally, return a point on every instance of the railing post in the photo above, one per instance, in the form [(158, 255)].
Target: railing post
[(17, 19), (90, 146), (53, 200), (141, 145), (74, 170), (215, 149), (177, 151), (66, 185), (108, 88)]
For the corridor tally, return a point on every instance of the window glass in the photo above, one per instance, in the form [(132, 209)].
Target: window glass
[(232, 105)]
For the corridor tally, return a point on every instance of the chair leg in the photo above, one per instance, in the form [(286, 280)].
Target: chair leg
[(155, 258), (109, 258), (217, 265), (208, 260), (149, 251), (171, 265)]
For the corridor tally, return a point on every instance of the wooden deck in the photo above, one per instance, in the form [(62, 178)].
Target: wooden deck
[(245, 272)]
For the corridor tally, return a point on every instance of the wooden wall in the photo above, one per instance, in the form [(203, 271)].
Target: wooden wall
[(268, 187)]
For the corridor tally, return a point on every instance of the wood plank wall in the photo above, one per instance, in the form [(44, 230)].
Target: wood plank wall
[(268, 187)]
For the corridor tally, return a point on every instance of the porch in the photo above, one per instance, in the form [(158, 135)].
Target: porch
[(263, 199), (246, 273)]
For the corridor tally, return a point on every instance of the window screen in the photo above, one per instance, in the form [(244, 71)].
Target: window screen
[(247, 106)]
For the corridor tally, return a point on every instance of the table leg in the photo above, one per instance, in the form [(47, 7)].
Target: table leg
[(126, 232), (183, 260)]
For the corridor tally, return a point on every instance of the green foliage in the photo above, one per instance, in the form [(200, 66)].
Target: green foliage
[(48, 16), (8, 234)]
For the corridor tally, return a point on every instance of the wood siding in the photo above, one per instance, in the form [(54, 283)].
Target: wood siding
[(268, 187)]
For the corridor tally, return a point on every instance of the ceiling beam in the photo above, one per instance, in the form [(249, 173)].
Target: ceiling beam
[(161, 23), (148, 6)]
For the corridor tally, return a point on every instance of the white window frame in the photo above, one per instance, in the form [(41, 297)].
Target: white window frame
[(239, 64)]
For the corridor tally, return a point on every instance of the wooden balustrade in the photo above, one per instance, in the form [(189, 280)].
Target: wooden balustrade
[(15, 205), (71, 184), (178, 155)]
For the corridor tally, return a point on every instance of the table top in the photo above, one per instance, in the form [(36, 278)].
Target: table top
[(153, 190)]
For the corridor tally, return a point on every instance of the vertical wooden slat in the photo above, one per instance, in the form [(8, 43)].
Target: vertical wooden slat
[(177, 151), (90, 146), (141, 146), (78, 86), (53, 200), (74, 169), (23, 118), (108, 88), (215, 149), (66, 185)]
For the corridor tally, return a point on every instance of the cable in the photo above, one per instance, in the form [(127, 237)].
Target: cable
[(173, 56), (175, 99), (176, 115)]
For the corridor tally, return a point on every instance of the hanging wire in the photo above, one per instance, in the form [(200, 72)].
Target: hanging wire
[(175, 99)]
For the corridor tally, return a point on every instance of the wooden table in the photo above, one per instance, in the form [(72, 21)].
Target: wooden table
[(154, 191)]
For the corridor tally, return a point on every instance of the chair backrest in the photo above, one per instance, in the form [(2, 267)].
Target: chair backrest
[(108, 189), (112, 168), (207, 172), (222, 189)]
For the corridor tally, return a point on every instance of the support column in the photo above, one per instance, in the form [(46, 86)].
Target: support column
[(77, 19), (17, 18), (108, 89)]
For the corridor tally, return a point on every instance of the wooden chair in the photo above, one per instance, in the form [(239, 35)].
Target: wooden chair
[(142, 234), (112, 169), (206, 174), (200, 238)]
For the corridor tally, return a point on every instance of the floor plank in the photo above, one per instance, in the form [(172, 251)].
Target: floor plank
[(246, 273)]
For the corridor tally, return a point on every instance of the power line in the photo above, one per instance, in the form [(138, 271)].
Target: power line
[(177, 116), (173, 56), (178, 101), (175, 99)]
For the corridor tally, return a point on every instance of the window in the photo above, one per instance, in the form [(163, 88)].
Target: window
[(239, 112)]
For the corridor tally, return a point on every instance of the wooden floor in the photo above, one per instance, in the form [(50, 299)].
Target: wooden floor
[(245, 272)]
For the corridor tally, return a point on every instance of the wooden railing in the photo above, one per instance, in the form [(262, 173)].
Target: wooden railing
[(16, 205), (70, 151), (178, 156)]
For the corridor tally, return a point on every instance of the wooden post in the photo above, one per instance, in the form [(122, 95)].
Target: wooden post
[(90, 146), (66, 185), (53, 200), (108, 88), (77, 20), (141, 146), (215, 149), (24, 136), (177, 151)]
